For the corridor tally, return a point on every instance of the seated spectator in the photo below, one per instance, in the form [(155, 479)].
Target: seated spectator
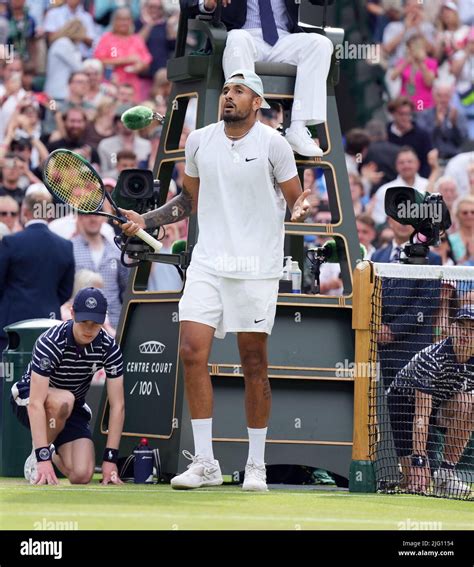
[(11, 173), (367, 233), (445, 251), (103, 124), (417, 72), (462, 240), (458, 168), (272, 117), (75, 124), (24, 132), (57, 18), (66, 227), (357, 145), (448, 189), (124, 139), (380, 152), (161, 86), (407, 166), (124, 51), (165, 277), (396, 35), (357, 193), (403, 131), (10, 213), (126, 94), (462, 67), (11, 92), (94, 252), (64, 59), (126, 159), (452, 33), (21, 30), (446, 125), (104, 9), (158, 32), (99, 91)]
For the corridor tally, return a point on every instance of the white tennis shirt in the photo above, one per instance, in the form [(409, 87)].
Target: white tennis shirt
[(241, 208)]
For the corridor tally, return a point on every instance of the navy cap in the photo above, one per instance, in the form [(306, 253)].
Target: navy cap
[(466, 313), (90, 305)]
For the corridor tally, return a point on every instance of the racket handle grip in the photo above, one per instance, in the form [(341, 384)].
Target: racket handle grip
[(155, 244)]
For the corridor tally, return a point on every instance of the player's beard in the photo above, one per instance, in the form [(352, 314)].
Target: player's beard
[(236, 116)]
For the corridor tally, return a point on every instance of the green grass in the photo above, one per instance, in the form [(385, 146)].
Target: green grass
[(227, 507)]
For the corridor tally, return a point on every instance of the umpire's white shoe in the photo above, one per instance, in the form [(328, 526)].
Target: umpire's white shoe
[(301, 142), (255, 479), (30, 469), (201, 472), (447, 483)]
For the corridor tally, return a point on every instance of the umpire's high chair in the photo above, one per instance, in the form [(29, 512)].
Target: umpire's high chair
[(312, 342)]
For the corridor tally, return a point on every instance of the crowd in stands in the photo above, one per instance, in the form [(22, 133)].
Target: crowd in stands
[(70, 68)]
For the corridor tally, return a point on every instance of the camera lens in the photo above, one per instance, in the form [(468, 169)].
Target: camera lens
[(136, 184)]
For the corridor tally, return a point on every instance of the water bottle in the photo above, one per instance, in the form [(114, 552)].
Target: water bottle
[(287, 269), (296, 277), (143, 465)]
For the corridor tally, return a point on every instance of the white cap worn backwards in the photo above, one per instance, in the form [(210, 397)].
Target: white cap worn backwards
[(250, 80)]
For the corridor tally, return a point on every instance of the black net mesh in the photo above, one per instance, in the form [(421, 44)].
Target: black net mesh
[(70, 178), (421, 395)]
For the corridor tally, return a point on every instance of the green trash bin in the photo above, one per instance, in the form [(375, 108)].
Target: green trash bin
[(15, 439)]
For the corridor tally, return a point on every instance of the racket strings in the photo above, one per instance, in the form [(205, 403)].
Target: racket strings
[(73, 182)]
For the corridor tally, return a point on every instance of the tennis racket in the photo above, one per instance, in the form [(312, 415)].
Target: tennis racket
[(73, 180)]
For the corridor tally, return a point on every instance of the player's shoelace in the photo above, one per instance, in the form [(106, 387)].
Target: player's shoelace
[(198, 460), (257, 471)]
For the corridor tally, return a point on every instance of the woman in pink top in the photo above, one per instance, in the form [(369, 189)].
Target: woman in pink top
[(124, 50), (418, 72)]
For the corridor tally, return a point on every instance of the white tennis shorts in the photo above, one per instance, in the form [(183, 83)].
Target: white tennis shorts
[(229, 305)]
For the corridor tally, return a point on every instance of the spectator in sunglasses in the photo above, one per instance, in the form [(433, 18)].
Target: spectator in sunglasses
[(462, 241), (9, 213)]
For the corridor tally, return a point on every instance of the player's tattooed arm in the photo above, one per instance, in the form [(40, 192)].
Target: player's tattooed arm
[(175, 210), (180, 207)]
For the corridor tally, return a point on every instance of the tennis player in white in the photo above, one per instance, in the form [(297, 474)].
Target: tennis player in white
[(240, 175)]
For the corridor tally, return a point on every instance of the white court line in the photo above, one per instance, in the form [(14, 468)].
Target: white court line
[(215, 490), (240, 517), (218, 491)]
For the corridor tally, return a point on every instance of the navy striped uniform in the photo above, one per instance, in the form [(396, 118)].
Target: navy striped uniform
[(68, 367), (434, 371)]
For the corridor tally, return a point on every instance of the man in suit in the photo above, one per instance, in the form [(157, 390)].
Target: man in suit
[(267, 30), (36, 268)]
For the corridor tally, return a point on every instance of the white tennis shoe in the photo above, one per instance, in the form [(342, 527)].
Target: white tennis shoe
[(447, 483), (30, 468), (301, 142), (201, 472), (255, 479)]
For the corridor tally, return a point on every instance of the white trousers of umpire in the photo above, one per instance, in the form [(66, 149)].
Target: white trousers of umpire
[(310, 52)]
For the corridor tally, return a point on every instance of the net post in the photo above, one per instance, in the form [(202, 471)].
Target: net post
[(361, 476)]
